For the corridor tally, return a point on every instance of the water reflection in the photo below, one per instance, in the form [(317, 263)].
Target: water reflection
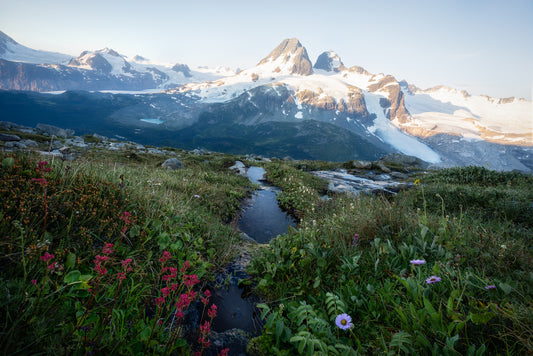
[(263, 219)]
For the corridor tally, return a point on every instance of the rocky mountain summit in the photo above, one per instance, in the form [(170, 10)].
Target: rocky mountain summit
[(329, 61), (289, 57)]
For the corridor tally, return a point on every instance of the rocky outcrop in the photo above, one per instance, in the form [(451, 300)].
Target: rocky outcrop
[(400, 160), (25, 76), (172, 164), (354, 105), (395, 104), (95, 61), (8, 137), (329, 61), (54, 131)]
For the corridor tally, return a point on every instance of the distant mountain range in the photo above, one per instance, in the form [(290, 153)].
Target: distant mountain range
[(283, 105)]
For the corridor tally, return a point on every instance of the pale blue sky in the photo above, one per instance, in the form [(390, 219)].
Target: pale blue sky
[(484, 47)]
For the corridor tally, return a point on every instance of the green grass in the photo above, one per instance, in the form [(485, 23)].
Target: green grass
[(70, 308), (472, 226)]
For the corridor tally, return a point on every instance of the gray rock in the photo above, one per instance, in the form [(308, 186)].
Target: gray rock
[(11, 125), (399, 175), (399, 159), (199, 151), (76, 141), (155, 151), (362, 164), (55, 131), (236, 339), (7, 137), (103, 138), (29, 143), (54, 153), (172, 164), (381, 166), (15, 144), (238, 167)]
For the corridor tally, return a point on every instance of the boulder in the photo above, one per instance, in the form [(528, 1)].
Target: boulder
[(199, 151), (7, 137), (29, 143), (238, 167), (13, 144), (362, 164), (172, 164), (381, 166), (54, 131), (11, 125), (402, 160)]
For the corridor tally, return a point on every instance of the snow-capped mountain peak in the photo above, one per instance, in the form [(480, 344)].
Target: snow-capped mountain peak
[(105, 60), (289, 57), (329, 61)]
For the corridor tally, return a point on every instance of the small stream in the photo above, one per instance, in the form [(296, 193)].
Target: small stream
[(261, 220)]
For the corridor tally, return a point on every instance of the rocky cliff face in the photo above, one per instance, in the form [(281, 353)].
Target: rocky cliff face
[(24, 76), (329, 61), (395, 98)]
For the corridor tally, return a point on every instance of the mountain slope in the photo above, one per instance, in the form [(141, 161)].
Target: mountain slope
[(13, 51)]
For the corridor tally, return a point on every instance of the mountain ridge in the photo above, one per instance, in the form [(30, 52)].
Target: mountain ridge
[(376, 106)]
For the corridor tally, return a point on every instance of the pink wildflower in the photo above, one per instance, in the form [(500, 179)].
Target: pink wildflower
[(47, 257), (34, 282), (205, 300), (205, 328), (51, 266), (101, 270), (41, 166), (178, 314), (126, 262), (185, 299), (173, 287), (165, 291), (159, 301), (100, 259), (212, 312), (224, 352), (41, 181), (121, 276), (107, 249), (185, 266), (204, 342), (190, 280), (126, 217), (166, 257)]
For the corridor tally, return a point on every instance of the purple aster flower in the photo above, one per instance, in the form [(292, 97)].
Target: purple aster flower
[(418, 262), (492, 286), (196, 196), (433, 279), (344, 321), (355, 240)]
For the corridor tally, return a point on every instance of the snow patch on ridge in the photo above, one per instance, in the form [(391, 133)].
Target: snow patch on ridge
[(18, 53), (392, 135)]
